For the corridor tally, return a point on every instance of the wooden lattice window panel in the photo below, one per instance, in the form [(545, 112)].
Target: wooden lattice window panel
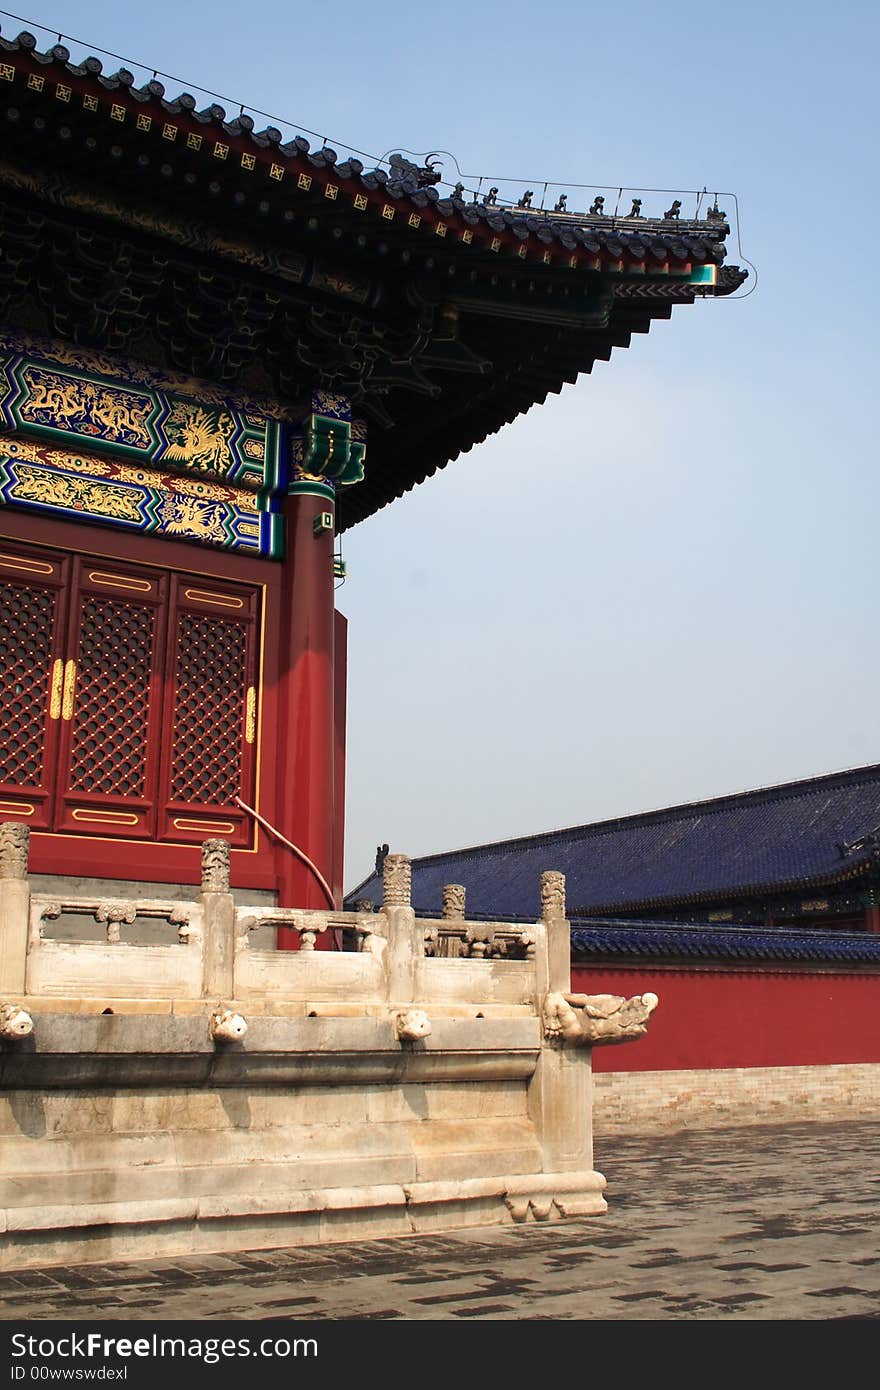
[(209, 710), (26, 622), (109, 752)]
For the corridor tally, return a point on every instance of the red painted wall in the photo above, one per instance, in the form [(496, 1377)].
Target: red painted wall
[(741, 1018)]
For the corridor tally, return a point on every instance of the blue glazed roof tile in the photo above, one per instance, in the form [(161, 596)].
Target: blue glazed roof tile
[(607, 938), (799, 834)]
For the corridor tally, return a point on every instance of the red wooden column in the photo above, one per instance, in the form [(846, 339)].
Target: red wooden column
[(326, 453), (340, 665), (872, 918), (305, 812)]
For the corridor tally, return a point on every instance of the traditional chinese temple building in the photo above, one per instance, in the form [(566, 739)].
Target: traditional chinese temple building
[(218, 350)]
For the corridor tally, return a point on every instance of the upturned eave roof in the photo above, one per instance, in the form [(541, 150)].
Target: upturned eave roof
[(463, 316), (629, 245)]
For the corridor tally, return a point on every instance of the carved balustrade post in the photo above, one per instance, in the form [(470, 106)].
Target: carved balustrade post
[(218, 961), (557, 929), (560, 1092), (454, 898), (15, 902), (405, 943), (397, 881)]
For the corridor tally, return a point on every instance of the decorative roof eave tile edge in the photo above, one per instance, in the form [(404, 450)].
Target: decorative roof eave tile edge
[(235, 141), (663, 942), (674, 956)]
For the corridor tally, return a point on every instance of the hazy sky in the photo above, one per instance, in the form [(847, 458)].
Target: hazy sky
[(659, 585)]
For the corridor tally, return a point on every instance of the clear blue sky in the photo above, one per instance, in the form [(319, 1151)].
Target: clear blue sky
[(660, 585)]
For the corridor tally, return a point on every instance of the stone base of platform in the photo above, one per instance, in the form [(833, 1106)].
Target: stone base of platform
[(130, 1136), (641, 1102), (45, 1236)]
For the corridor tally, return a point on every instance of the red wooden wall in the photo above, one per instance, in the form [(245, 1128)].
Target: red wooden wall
[(741, 1018)]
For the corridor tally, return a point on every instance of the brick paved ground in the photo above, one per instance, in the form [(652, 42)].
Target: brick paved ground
[(762, 1223)]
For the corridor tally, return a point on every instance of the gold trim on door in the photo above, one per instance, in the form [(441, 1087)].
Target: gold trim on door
[(220, 827), (56, 686), (117, 581), (250, 715), (106, 817), (69, 691), (224, 600), (27, 566)]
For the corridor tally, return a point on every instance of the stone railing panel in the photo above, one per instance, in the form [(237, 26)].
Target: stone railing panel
[(309, 974), (477, 940), (490, 980), (64, 964), (369, 929), (74, 919)]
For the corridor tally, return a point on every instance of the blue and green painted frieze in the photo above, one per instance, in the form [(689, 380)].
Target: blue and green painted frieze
[(80, 487), (83, 409), (88, 436)]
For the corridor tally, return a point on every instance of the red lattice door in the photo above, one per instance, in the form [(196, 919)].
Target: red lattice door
[(32, 610), (112, 700), (209, 754)]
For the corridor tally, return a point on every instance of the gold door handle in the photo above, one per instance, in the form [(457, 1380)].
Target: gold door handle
[(250, 715), (69, 690), (55, 689)]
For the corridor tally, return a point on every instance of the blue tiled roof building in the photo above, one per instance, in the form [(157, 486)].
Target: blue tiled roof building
[(797, 855)]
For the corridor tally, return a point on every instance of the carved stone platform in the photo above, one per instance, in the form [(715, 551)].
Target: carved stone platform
[(199, 1094)]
